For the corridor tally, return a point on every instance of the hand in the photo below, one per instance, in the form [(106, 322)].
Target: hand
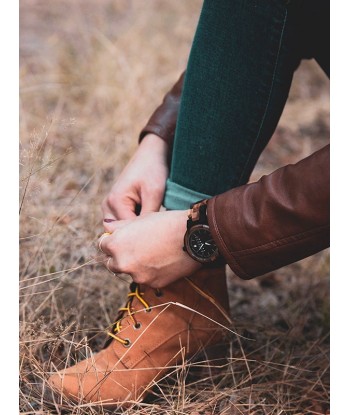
[(149, 248), (142, 182)]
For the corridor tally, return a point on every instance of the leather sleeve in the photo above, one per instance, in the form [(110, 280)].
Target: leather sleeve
[(275, 221), (163, 120)]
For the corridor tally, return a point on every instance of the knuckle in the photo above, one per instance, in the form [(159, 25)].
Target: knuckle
[(156, 188), (150, 186), (111, 199), (154, 192), (125, 265), (139, 279), (110, 246), (158, 191)]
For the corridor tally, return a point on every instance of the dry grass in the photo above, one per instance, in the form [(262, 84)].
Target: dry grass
[(91, 73)]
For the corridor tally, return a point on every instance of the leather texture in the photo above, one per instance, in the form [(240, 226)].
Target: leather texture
[(275, 221), (168, 334), (163, 120)]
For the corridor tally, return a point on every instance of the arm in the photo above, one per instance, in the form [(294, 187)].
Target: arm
[(280, 219), (258, 227)]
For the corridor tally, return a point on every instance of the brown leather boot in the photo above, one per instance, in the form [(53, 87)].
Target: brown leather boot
[(155, 330)]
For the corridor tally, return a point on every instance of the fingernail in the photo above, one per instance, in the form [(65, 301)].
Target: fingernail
[(108, 220)]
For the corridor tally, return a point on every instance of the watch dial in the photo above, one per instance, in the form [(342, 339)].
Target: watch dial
[(202, 244)]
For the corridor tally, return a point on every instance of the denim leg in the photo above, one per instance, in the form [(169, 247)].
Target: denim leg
[(238, 77)]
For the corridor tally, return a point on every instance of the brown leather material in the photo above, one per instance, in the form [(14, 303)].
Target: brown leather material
[(164, 118), (275, 221), (118, 374)]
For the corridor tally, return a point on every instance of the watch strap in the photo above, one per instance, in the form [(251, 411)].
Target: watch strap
[(198, 213)]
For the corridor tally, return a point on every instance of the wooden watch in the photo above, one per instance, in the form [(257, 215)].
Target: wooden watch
[(198, 241)]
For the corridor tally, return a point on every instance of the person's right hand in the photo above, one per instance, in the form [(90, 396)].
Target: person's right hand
[(142, 182)]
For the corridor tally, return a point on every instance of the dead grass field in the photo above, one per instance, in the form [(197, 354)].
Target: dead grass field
[(91, 72)]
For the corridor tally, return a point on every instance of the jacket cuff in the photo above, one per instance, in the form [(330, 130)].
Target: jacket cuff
[(282, 218), (219, 238), (163, 120)]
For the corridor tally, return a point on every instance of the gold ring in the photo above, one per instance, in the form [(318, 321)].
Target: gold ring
[(101, 239)]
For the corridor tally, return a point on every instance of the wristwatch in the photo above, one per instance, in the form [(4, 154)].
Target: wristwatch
[(198, 241)]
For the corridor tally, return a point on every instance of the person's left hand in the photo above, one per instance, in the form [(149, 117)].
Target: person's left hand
[(149, 248)]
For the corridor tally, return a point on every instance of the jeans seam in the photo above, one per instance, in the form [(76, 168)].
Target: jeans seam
[(268, 101)]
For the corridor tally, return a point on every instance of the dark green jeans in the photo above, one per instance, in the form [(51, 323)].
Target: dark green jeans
[(238, 77)]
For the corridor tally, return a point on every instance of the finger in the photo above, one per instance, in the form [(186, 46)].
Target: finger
[(109, 220), (114, 226), (107, 213), (109, 226), (118, 208), (150, 204), (103, 244), (103, 236), (126, 210), (108, 217), (110, 266)]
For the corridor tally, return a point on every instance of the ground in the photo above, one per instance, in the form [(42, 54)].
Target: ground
[(91, 73)]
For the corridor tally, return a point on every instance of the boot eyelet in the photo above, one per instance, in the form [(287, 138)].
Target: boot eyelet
[(137, 326), (127, 343), (158, 293), (148, 310)]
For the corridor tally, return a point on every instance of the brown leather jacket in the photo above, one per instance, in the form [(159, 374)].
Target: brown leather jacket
[(265, 225)]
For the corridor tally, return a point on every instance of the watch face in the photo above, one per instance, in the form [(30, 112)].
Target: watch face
[(201, 244)]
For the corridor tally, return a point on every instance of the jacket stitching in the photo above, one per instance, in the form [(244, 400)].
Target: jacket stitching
[(279, 242)]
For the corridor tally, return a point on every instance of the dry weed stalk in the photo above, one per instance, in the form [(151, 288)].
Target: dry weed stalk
[(91, 74)]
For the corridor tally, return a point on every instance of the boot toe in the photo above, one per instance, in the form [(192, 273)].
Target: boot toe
[(64, 385), (89, 381)]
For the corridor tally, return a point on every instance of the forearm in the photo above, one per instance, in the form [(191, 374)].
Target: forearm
[(280, 219)]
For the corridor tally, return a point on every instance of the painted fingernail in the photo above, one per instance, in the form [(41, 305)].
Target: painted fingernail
[(108, 220)]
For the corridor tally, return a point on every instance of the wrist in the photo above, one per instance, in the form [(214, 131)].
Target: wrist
[(155, 144), (181, 218)]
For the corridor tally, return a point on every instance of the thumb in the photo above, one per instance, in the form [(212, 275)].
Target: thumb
[(126, 211), (115, 225), (150, 204)]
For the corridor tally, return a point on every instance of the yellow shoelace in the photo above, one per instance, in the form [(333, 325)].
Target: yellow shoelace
[(117, 326), (135, 292)]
